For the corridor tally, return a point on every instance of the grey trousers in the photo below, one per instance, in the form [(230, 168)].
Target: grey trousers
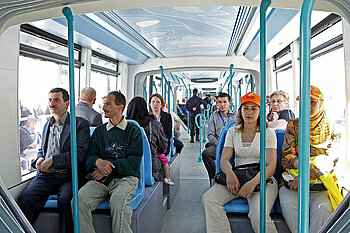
[(215, 215), (120, 192), (320, 209)]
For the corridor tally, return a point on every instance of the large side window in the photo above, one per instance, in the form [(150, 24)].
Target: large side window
[(42, 66), (104, 75)]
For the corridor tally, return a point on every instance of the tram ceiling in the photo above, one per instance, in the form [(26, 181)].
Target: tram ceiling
[(135, 35)]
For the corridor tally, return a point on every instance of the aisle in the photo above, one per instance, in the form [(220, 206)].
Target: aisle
[(186, 214)]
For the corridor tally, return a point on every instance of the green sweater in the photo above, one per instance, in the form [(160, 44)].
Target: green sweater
[(105, 144)]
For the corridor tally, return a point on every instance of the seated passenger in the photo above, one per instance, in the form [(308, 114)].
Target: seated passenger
[(84, 108), (137, 110), (28, 138), (54, 162), (280, 105), (114, 154), (244, 139), (320, 205), (217, 121)]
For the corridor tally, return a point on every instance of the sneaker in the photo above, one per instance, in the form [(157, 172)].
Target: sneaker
[(168, 181)]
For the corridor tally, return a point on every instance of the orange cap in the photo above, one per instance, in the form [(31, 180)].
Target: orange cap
[(251, 97), (315, 94)]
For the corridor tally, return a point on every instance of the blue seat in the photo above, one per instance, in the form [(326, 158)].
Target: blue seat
[(146, 162), (240, 205), (171, 152)]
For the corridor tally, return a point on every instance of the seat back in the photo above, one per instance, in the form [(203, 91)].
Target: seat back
[(220, 146), (148, 177), (171, 151), (280, 140)]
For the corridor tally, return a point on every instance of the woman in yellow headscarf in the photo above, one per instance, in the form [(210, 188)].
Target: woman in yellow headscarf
[(320, 205)]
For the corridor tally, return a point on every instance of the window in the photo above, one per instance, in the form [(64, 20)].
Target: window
[(35, 79), (285, 83)]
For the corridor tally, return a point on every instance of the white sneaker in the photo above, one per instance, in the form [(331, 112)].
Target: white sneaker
[(168, 181)]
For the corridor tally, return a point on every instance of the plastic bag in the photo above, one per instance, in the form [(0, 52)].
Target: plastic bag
[(331, 182)]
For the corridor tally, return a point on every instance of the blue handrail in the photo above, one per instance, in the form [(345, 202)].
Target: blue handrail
[(263, 7), (200, 126), (145, 90), (304, 120), (162, 79), (68, 14), (155, 87)]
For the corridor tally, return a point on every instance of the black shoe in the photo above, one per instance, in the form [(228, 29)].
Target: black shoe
[(192, 139), (197, 138)]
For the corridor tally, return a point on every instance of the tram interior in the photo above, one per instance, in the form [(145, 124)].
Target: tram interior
[(134, 49)]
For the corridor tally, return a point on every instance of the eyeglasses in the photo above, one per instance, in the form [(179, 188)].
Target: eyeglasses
[(313, 101), (277, 101)]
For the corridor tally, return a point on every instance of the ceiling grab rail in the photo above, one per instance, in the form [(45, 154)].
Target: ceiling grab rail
[(304, 120), (228, 77), (162, 79), (263, 7), (229, 89), (144, 89), (68, 14), (168, 95), (155, 87), (187, 95)]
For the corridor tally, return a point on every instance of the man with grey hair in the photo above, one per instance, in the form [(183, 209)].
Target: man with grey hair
[(84, 108)]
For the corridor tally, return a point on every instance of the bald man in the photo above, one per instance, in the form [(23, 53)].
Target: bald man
[(84, 108)]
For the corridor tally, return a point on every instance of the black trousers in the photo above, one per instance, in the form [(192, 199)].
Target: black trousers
[(34, 197), (178, 145), (193, 127), (208, 156)]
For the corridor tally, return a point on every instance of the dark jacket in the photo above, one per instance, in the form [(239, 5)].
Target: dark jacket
[(195, 101), (167, 124), (85, 111), (62, 160), (158, 142)]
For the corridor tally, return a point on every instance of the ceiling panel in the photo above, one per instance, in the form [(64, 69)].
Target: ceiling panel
[(184, 31)]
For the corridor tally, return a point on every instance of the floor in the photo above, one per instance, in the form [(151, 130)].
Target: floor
[(186, 214)]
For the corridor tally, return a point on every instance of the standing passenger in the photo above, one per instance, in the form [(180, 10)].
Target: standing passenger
[(217, 121), (244, 139), (193, 106), (106, 158), (84, 108), (320, 205), (54, 162)]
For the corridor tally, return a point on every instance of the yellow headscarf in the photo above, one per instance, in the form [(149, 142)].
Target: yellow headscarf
[(320, 128)]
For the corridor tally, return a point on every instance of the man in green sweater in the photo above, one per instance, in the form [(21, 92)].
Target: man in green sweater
[(109, 161)]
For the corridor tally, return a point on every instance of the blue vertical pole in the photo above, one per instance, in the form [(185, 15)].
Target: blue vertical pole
[(155, 87), (145, 90), (68, 14), (304, 124), (168, 95), (263, 7), (161, 78)]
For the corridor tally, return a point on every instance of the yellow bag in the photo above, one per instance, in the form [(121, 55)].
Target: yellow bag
[(331, 182)]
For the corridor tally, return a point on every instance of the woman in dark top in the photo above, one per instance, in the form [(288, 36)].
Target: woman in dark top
[(157, 104), (137, 110), (280, 105)]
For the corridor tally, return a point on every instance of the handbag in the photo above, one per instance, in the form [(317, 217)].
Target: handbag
[(315, 185), (107, 179), (244, 174)]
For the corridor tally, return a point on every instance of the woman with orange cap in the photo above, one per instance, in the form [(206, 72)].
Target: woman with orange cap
[(244, 140), (320, 205)]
